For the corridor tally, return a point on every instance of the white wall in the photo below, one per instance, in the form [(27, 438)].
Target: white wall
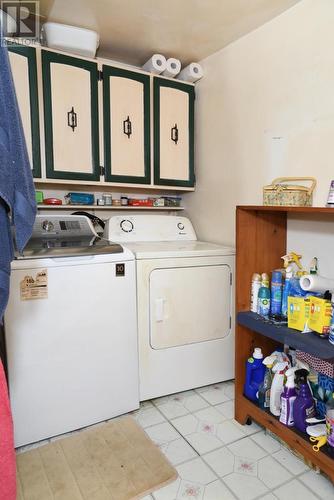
[(265, 109)]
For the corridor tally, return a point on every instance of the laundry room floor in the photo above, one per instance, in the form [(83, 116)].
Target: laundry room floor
[(217, 458)]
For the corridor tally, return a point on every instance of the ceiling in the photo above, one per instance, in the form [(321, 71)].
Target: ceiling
[(132, 30)]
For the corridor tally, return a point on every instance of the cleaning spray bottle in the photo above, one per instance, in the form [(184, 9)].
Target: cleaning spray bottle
[(255, 371), (264, 389), (279, 370), (304, 406), (264, 296), (288, 397)]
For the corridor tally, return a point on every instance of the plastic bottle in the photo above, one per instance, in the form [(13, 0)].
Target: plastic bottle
[(255, 370), (264, 302), (286, 291), (264, 389), (331, 328), (288, 397), (279, 370), (276, 293), (304, 406), (330, 421), (255, 287)]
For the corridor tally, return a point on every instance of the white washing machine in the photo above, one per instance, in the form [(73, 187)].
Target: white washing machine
[(184, 300), (71, 330)]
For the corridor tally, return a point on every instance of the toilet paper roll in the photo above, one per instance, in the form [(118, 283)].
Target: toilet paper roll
[(315, 283), (191, 73), (156, 64), (173, 67)]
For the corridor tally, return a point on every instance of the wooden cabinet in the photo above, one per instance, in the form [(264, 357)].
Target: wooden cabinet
[(258, 228), (173, 133), (71, 117), (24, 71), (126, 113)]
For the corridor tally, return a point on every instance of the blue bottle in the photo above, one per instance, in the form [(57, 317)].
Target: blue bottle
[(276, 293), (255, 371)]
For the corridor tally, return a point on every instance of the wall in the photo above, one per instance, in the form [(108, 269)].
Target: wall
[(265, 109)]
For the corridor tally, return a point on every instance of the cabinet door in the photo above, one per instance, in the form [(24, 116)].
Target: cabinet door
[(71, 117), (126, 104), (173, 133), (24, 71)]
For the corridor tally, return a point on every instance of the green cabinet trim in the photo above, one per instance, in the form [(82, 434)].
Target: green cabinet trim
[(47, 59), (30, 54), (157, 84), (145, 80)]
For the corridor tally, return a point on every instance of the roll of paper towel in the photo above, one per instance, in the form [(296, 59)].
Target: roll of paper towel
[(173, 67), (191, 73), (156, 64), (315, 283)]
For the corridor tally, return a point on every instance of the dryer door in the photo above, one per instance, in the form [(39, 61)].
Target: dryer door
[(189, 305)]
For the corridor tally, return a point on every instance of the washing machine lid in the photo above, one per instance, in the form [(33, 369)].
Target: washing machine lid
[(175, 249)]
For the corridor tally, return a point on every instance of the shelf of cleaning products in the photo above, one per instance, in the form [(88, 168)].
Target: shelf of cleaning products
[(307, 342), (103, 207)]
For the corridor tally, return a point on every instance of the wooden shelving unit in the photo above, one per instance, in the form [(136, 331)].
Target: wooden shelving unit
[(260, 242)]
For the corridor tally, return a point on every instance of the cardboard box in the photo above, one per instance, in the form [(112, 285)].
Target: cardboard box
[(320, 315), (298, 312)]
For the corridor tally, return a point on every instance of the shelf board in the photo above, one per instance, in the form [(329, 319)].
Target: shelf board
[(103, 207), (307, 342), (278, 208)]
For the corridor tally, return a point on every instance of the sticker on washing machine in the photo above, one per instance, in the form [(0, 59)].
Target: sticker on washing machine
[(35, 287)]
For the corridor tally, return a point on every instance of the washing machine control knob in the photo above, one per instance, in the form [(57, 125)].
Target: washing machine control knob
[(180, 226), (126, 226), (47, 225)]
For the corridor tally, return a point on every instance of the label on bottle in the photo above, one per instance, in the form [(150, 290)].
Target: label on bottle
[(330, 428), (264, 307), (267, 399)]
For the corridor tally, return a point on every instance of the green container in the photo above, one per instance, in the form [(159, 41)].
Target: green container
[(39, 197)]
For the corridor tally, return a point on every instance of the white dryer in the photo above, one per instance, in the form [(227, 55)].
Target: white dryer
[(184, 300)]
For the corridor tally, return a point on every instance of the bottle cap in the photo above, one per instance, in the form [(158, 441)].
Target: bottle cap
[(257, 354)]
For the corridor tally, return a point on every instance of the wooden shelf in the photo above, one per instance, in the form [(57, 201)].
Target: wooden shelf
[(308, 342), (261, 239), (103, 207)]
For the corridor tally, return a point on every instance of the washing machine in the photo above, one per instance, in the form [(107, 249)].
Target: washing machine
[(70, 330), (184, 301)]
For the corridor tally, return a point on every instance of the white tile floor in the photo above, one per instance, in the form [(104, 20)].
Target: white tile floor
[(218, 459)]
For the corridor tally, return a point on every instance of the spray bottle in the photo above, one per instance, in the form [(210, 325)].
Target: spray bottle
[(264, 389), (279, 370), (288, 397), (304, 406)]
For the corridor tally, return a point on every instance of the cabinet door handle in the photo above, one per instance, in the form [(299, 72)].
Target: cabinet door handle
[(174, 133), (127, 127), (72, 119)]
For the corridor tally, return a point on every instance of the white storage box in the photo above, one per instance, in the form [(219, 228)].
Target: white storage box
[(71, 39)]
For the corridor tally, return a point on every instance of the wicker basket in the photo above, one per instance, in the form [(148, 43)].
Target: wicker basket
[(278, 193)]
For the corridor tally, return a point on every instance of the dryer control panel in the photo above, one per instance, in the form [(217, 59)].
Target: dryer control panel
[(131, 228)]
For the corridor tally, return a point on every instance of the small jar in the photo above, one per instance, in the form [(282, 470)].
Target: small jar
[(124, 201), (116, 203), (100, 202), (107, 199)]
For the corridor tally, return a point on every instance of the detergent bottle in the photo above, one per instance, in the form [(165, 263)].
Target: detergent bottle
[(255, 370), (288, 397), (279, 370), (304, 406), (264, 389)]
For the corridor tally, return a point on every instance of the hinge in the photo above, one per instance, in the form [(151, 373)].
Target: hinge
[(230, 322), (231, 279), (100, 75), (102, 171)]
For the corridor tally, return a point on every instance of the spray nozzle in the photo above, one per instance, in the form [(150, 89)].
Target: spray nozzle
[(301, 376), (269, 361)]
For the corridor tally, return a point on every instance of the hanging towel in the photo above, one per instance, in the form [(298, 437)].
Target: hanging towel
[(17, 209), (17, 193)]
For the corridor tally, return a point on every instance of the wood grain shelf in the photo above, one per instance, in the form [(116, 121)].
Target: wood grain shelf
[(261, 236), (103, 207)]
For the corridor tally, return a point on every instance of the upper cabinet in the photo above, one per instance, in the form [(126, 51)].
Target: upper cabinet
[(126, 113), (71, 120), (24, 71), (173, 133)]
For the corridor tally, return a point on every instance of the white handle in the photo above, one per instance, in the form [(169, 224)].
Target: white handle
[(159, 310)]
